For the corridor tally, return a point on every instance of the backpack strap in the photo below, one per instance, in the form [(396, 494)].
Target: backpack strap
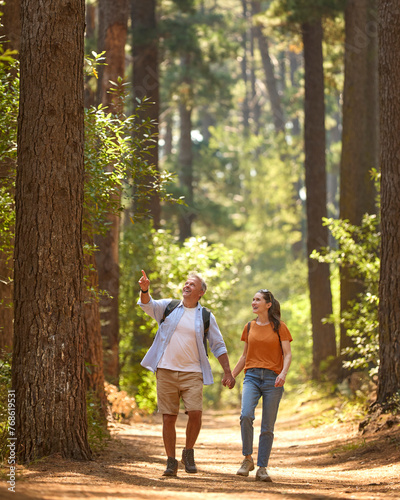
[(170, 307), (205, 313), (206, 323), (248, 328)]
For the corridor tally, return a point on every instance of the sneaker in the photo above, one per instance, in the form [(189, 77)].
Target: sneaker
[(262, 475), (172, 467), (188, 461), (246, 467)]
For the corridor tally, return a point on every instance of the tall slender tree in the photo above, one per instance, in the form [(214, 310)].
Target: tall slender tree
[(48, 358), (324, 344), (113, 16), (10, 34), (146, 85), (270, 78), (360, 130), (389, 286), (185, 157)]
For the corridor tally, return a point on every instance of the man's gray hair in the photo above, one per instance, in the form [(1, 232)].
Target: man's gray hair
[(193, 274)]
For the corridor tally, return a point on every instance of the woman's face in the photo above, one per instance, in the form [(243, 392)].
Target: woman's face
[(259, 304)]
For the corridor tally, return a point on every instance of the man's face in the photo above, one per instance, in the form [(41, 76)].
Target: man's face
[(192, 289)]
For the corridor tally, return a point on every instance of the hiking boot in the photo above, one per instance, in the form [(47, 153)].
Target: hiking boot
[(246, 467), (188, 461), (172, 467), (262, 475)]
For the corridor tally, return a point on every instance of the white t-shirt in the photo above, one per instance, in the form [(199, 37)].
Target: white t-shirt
[(181, 353)]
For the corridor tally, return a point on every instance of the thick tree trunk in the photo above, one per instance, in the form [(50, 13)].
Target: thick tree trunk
[(324, 344), (185, 161), (146, 84), (48, 358), (275, 100), (112, 39), (389, 289), (360, 130)]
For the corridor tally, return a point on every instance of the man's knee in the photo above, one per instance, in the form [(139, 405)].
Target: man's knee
[(195, 415), (169, 419)]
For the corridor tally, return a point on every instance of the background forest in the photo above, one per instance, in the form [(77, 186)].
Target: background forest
[(237, 138)]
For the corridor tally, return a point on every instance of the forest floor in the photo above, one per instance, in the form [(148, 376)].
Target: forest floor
[(311, 459)]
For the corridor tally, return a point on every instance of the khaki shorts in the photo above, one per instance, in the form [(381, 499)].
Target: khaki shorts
[(172, 386)]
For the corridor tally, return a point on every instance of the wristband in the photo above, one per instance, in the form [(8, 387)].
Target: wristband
[(145, 291)]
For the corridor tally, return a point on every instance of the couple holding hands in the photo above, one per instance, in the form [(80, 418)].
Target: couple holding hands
[(178, 357)]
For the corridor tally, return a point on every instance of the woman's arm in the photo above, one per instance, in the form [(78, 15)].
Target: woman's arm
[(287, 359), (240, 364)]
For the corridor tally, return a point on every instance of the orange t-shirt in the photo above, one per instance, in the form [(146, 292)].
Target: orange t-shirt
[(263, 347)]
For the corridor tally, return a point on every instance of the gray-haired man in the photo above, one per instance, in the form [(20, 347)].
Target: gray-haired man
[(179, 359)]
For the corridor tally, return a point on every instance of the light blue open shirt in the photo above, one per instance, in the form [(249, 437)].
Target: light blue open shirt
[(155, 309)]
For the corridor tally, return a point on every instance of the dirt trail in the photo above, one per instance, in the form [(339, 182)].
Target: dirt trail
[(325, 462)]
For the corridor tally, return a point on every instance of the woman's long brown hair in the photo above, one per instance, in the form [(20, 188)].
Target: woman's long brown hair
[(274, 312)]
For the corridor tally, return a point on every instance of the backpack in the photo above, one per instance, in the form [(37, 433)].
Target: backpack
[(248, 331), (206, 318)]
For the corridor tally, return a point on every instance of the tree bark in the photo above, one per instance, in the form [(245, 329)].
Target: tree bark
[(275, 100), (360, 130), (324, 344), (146, 84), (389, 286), (112, 39), (48, 358)]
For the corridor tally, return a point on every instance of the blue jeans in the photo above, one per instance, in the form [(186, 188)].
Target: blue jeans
[(259, 382)]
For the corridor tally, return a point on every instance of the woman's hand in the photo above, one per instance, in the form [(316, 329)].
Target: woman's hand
[(280, 380)]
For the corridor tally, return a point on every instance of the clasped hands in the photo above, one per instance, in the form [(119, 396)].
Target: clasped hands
[(228, 381)]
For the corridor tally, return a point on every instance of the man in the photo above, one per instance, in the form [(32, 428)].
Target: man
[(179, 359)]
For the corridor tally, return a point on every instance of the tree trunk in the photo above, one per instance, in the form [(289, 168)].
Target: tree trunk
[(11, 21), (185, 161), (91, 12), (389, 287), (10, 33), (360, 131), (324, 344), (276, 107), (112, 39), (146, 84), (48, 367), (94, 371), (244, 67), (6, 270)]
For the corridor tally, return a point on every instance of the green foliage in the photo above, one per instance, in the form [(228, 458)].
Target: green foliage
[(9, 89), (358, 252), (115, 160), (167, 264), (98, 435), (5, 385), (301, 11)]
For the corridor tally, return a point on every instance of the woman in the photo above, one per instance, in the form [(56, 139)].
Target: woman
[(266, 359)]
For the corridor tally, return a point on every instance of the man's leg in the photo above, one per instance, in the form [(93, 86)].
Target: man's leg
[(169, 434), (193, 428)]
